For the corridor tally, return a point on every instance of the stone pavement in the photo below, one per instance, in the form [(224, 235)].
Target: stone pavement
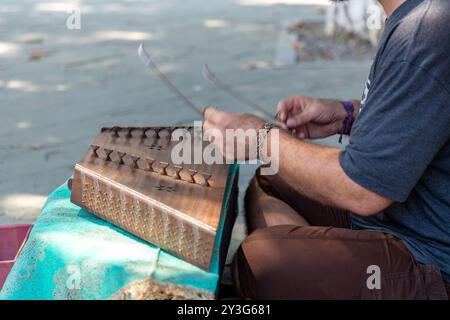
[(59, 86)]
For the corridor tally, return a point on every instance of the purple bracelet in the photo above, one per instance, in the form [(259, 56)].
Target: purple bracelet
[(348, 121)]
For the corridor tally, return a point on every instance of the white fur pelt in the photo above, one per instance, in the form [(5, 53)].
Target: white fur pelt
[(364, 18)]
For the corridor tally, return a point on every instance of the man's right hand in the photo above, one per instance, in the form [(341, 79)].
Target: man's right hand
[(311, 118)]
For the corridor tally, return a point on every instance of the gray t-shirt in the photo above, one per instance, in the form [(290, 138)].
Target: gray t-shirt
[(400, 143)]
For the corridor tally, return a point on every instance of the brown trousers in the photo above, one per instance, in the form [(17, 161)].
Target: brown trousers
[(300, 249)]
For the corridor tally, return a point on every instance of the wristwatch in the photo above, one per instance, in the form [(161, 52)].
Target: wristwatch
[(261, 138)]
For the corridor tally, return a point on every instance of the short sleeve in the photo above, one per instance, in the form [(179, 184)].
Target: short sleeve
[(402, 126)]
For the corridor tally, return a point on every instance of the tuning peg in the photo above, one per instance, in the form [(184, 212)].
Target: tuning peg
[(150, 162), (177, 170), (131, 160), (115, 131), (135, 159), (157, 130), (137, 132), (120, 156), (145, 164), (149, 132), (142, 133), (129, 130), (164, 133), (207, 177), (192, 173), (163, 166), (94, 149), (107, 154)]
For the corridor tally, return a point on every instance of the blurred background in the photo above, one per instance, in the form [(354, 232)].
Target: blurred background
[(67, 68)]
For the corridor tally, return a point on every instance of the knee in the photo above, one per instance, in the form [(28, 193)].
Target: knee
[(259, 185), (255, 263)]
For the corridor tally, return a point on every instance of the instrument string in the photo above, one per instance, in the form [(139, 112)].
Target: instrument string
[(147, 60), (208, 75), (212, 77)]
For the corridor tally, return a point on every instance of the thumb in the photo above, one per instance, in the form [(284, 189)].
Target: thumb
[(214, 115), (300, 118)]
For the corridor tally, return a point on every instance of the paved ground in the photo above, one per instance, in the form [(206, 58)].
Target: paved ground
[(77, 81)]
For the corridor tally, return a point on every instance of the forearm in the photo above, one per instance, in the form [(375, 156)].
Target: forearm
[(315, 172)]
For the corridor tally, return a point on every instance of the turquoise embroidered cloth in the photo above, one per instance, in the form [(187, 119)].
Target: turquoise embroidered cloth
[(71, 254)]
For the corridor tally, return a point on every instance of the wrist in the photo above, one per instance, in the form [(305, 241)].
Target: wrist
[(341, 112), (357, 106), (347, 123), (263, 141)]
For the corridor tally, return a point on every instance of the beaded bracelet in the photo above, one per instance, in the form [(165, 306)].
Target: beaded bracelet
[(349, 119)]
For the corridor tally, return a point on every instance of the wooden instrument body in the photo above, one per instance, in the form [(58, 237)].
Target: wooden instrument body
[(127, 178)]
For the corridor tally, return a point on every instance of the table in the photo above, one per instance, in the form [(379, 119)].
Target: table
[(71, 254)]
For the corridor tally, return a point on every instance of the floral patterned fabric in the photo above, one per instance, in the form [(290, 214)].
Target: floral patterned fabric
[(71, 254)]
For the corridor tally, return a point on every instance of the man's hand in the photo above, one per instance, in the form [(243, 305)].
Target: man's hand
[(312, 170), (311, 118), (216, 124)]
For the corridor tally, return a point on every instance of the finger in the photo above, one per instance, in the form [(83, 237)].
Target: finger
[(300, 119), (214, 115), (302, 132), (212, 132), (322, 131), (208, 125), (282, 125), (284, 107)]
